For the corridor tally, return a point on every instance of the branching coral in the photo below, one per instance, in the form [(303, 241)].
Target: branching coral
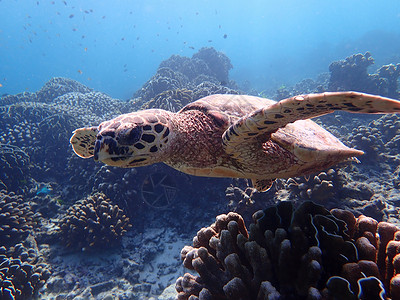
[(93, 222), (22, 272), (16, 218), (380, 140), (317, 187), (307, 253)]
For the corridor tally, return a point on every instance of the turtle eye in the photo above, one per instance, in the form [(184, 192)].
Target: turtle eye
[(129, 136)]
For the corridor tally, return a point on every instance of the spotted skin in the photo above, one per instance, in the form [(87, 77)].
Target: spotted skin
[(126, 141), (231, 136)]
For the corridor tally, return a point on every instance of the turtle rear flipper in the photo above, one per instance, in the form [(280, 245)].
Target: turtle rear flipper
[(83, 141), (271, 118)]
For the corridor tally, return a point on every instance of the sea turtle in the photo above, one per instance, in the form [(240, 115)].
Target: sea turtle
[(235, 136)]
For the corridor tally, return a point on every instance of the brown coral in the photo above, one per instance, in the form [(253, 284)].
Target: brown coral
[(307, 253), (93, 222)]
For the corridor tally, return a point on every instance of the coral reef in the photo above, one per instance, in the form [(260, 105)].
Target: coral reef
[(391, 74), (351, 74), (37, 161), (205, 73), (93, 222), (218, 63), (33, 131), (15, 164), (16, 218), (319, 188), (22, 272), (207, 61), (172, 100), (306, 86), (60, 86), (380, 139), (307, 253)]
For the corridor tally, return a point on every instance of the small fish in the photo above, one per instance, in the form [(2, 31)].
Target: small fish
[(219, 26), (71, 16), (138, 38), (210, 41), (123, 39), (191, 47), (85, 49), (74, 29), (65, 3), (37, 2), (52, 2), (86, 12), (103, 17), (89, 78), (80, 72), (44, 190), (225, 36), (125, 70), (125, 65)]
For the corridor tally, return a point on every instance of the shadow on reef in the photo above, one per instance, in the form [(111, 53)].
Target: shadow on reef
[(303, 253), (68, 200)]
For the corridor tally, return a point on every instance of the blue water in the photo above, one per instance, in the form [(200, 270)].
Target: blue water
[(116, 46)]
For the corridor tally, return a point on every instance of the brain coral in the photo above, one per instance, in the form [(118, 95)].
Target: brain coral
[(307, 253), (93, 222)]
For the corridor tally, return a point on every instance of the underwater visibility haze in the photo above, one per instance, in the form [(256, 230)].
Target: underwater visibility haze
[(114, 47), (195, 84)]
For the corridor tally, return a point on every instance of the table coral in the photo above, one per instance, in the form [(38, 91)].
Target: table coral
[(287, 253), (93, 222)]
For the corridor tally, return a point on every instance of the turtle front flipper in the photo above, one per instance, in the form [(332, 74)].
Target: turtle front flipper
[(272, 117), (83, 141), (262, 185)]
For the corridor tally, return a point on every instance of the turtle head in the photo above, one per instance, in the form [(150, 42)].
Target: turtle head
[(130, 140)]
